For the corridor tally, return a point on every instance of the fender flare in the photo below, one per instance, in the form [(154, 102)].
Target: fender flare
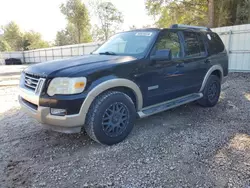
[(109, 84), (209, 72)]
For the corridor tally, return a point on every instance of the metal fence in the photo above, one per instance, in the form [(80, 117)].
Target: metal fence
[(47, 54), (237, 42), (6, 55), (1, 59), (235, 38)]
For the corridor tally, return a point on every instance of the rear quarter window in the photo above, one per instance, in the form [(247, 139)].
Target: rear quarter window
[(215, 43), (193, 44)]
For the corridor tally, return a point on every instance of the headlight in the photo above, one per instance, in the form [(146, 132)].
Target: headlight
[(66, 86)]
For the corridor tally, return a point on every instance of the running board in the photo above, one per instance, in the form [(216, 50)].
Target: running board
[(154, 109)]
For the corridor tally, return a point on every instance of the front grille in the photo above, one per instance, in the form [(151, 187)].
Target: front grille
[(31, 81), (34, 82)]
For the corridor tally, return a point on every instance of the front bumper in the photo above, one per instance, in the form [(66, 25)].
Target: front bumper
[(66, 124)]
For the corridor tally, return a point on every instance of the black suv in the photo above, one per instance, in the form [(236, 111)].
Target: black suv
[(134, 74)]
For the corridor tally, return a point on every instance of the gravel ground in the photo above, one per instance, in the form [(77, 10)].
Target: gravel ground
[(189, 146)]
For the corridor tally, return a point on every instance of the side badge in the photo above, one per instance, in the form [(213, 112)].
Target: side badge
[(153, 87)]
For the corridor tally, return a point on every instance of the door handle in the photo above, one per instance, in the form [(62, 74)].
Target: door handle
[(180, 65), (207, 61)]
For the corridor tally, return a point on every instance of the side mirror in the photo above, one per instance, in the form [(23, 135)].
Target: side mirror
[(161, 55)]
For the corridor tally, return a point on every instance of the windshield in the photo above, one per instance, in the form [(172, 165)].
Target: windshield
[(127, 43)]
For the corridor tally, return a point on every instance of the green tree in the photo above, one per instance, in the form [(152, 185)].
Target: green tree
[(77, 15), (232, 12), (33, 40), (4, 46), (66, 36), (213, 13), (62, 38), (14, 40), (97, 33), (110, 19), (168, 12), (13, 36)]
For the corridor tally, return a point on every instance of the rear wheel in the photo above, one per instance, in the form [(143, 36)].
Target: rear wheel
[(111, 118), (211, 92)]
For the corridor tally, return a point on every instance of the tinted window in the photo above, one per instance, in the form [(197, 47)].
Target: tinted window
[(202, 45), (192, 45), (169, 40), (215, 44)]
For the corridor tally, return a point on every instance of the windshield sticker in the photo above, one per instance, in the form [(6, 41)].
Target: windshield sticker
[(146, 34)]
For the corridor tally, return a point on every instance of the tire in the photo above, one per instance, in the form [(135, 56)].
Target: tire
[(211, 92), (111, 118)]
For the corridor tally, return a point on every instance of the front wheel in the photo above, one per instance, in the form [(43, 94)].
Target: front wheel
[(211, 92), (111, 118)]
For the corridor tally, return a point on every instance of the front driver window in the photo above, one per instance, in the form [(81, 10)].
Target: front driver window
[(169, 40)]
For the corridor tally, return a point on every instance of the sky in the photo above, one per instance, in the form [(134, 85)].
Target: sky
[(44, 16)]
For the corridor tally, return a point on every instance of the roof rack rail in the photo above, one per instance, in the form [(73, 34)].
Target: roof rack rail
[(176, 26)]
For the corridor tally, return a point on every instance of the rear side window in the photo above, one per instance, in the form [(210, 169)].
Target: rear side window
[(194, 46), (215, 44)]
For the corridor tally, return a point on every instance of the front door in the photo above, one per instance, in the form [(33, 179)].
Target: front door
[(162, 79)]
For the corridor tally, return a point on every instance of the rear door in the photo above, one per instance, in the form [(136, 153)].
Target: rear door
[(196, 62)]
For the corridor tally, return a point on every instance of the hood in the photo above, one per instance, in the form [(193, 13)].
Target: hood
[(66, 67)]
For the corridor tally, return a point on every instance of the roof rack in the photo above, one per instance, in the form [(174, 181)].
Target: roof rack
[(182, 26)]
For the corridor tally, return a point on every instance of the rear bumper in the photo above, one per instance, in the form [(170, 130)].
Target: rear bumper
[(66, 124)]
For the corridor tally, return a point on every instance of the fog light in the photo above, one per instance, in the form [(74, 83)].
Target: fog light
[(58, 112)]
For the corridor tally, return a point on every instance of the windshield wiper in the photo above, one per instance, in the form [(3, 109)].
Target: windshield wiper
[(107, 53)]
